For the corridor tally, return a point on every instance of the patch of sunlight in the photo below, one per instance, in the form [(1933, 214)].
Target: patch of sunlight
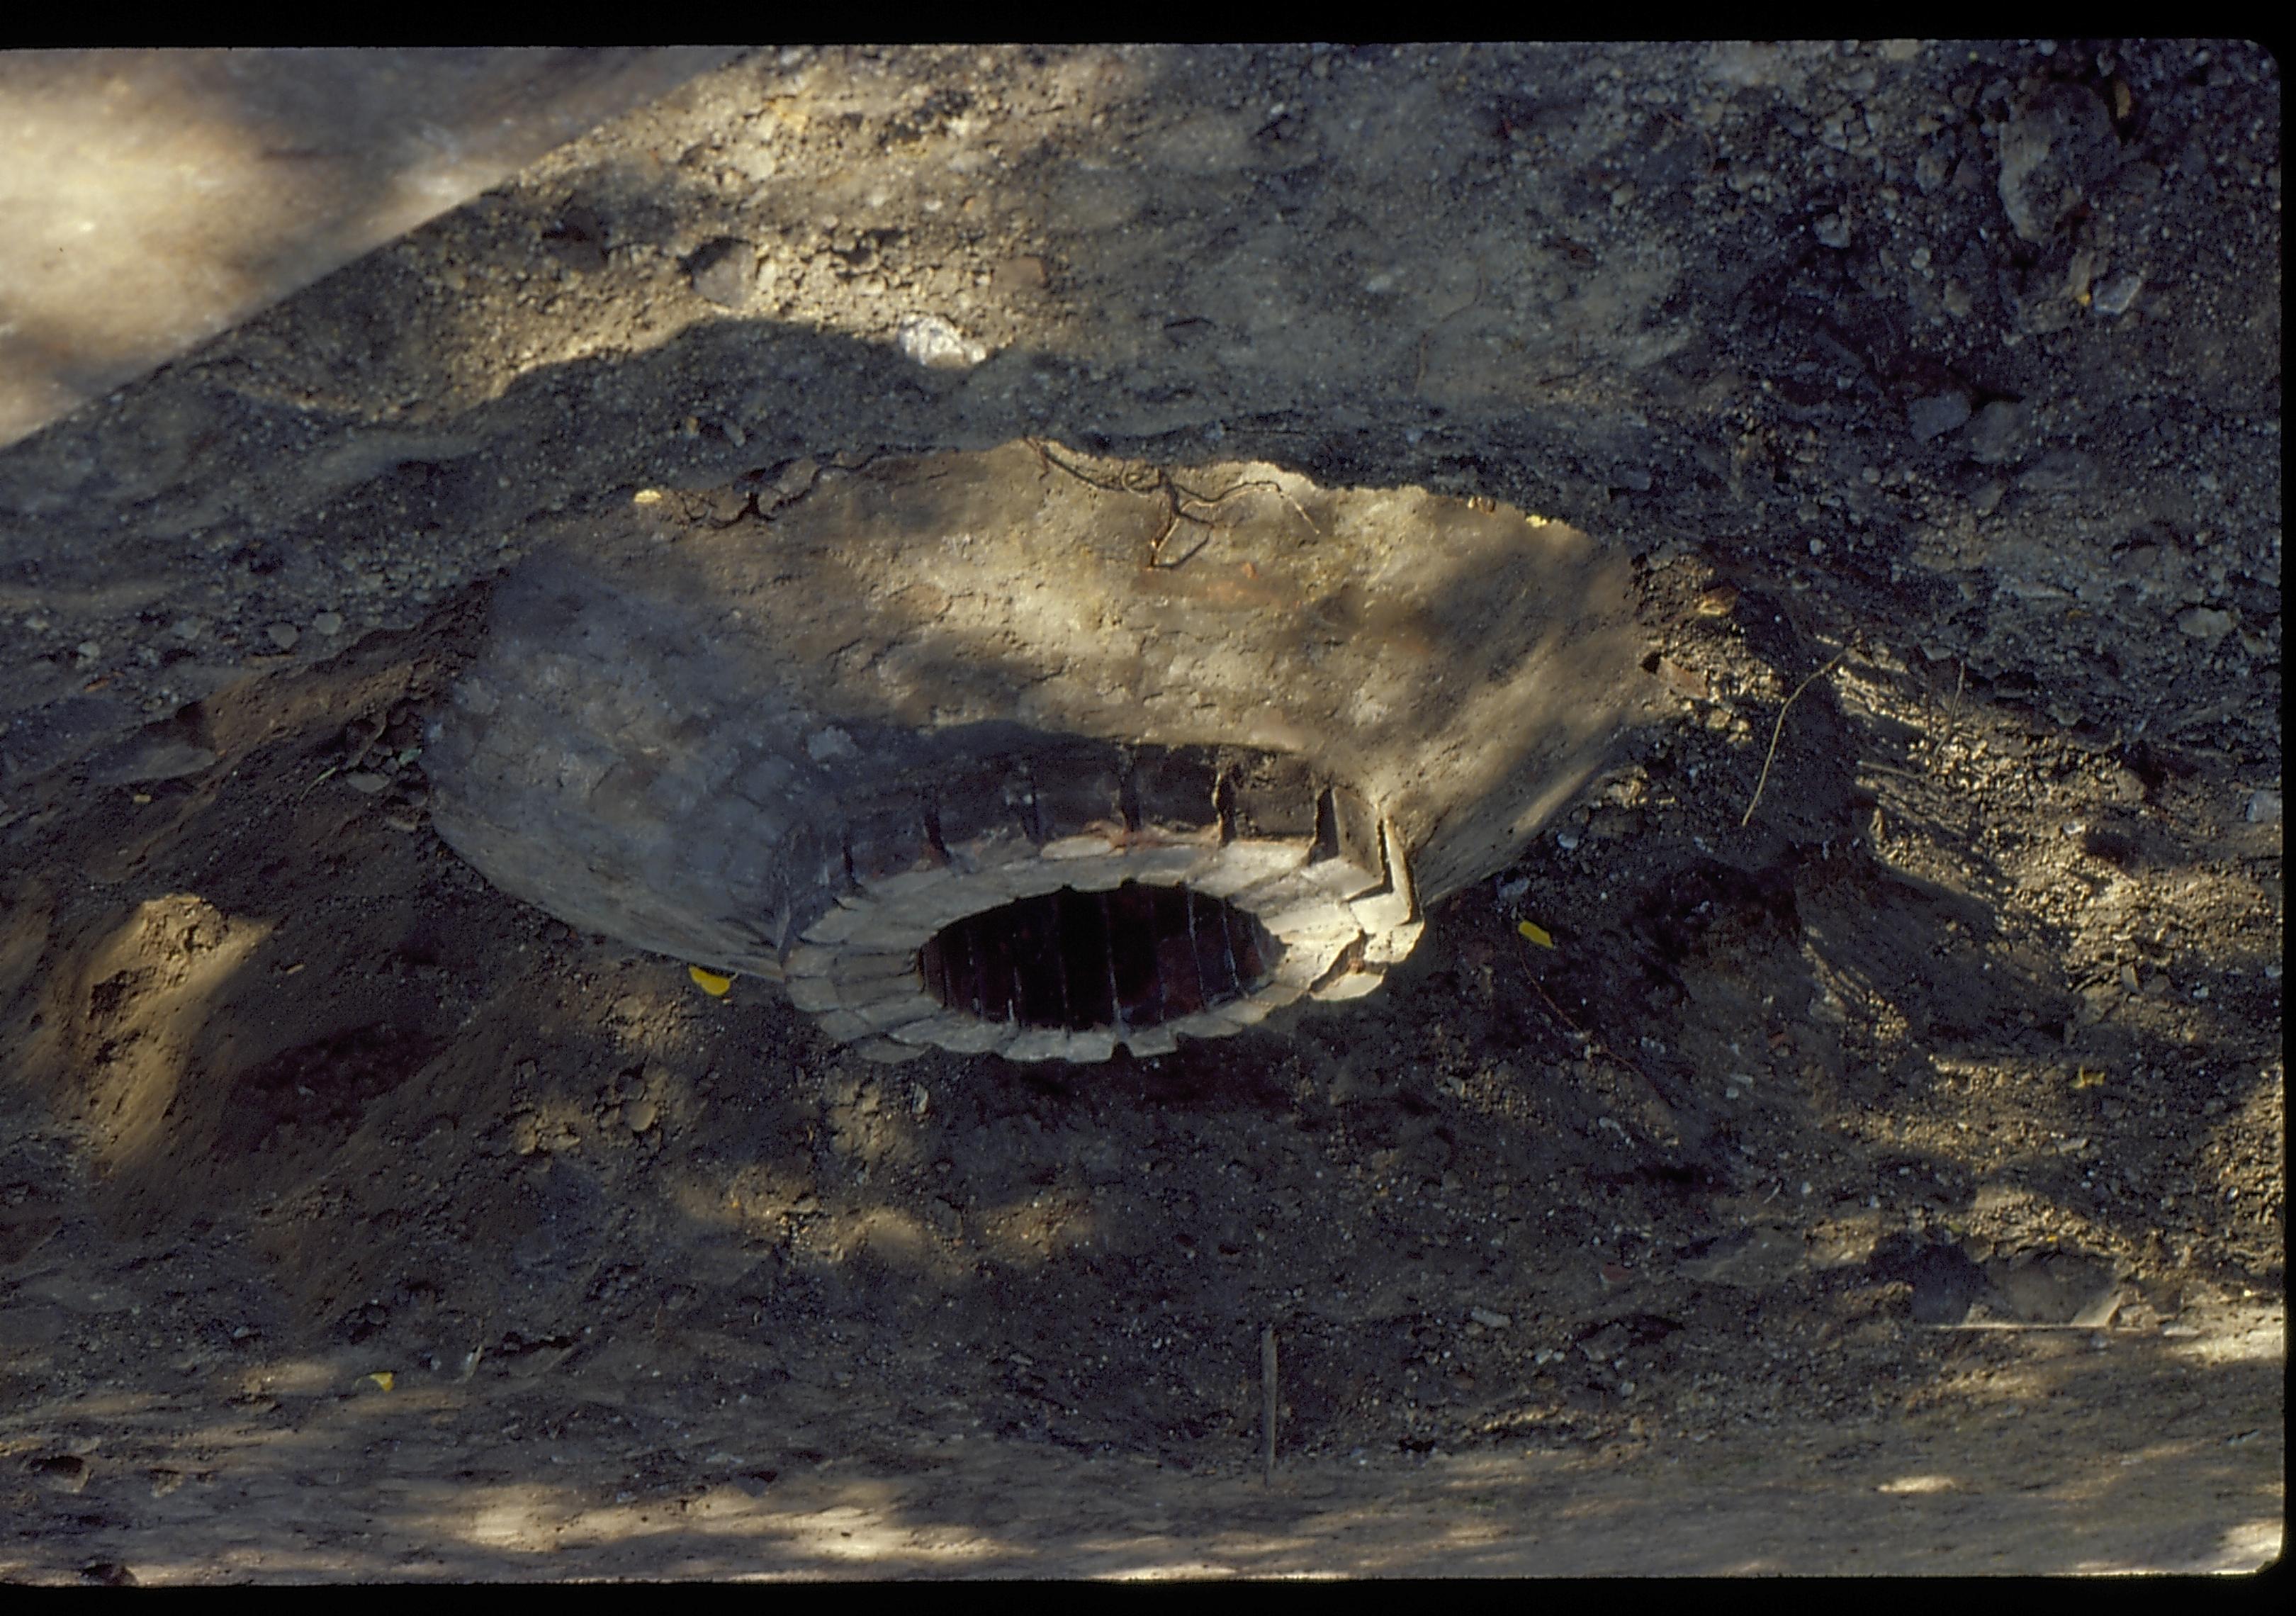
[(302, 1377), (1037, 1229), (2250, 1546), (1170, 1572), (1919, 1484), (156, 973), (2256, 1338), (511, 1518)]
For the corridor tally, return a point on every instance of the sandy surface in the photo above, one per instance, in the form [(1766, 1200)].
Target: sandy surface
[(150, 199)]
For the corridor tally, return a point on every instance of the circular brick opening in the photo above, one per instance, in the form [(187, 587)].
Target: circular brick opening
[(1134, 955)]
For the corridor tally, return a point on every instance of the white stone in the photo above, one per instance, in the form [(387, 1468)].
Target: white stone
[(931, 341)]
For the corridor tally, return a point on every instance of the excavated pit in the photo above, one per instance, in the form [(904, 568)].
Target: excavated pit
[(1136, 956)]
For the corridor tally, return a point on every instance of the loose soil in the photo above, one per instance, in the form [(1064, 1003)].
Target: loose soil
[(1849, 1139)]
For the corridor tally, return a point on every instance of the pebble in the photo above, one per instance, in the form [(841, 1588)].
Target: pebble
[(366, 780), (2264, 808), (284, 635), (934, 343), (726, 271), (639, 1115), (1489, 1319), (2204, 623), (2114, 294), (2046, 153), (1684, 681), (1833, 231), (1933, 417), (329, 623), (1997, 435)]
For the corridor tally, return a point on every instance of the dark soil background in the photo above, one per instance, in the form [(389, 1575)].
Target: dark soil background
[(1882, 1169)]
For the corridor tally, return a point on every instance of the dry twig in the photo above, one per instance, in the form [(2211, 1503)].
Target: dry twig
[(1780, 729)]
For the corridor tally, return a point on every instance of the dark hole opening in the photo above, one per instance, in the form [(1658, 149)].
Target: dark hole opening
[(1130, 958)]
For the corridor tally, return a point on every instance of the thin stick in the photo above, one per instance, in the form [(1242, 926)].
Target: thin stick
[(1268, 1395), (1780, 729)]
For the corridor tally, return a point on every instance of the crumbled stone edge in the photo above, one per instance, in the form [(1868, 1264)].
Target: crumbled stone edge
[(1341, 918)]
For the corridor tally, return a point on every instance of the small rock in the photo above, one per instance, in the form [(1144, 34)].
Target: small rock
[(796, 479), (724, 271), (329, 623), (284, 635), (1608, 1341), (1933, 417), (1689, 682), (1833, 231), (934, 343), (2204, 623), (1489, 1319), (639, 1115), (1997, 435), (825, 744), (2114, 294), (2264, 808), (1933, 168), (368, 781), (2055, 148)]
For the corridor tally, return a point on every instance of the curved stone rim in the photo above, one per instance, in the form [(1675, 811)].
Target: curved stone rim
[(1339, 924)]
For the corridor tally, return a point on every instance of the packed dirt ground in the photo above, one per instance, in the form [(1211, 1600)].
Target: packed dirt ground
[(1849, 1139)]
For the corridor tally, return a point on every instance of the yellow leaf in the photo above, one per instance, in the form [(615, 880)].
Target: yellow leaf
[(1537, 933), (384, 1378), (2085, 1078), (709, 981)]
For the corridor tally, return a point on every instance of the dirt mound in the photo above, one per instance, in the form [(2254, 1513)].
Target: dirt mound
[(1850, 1135)]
